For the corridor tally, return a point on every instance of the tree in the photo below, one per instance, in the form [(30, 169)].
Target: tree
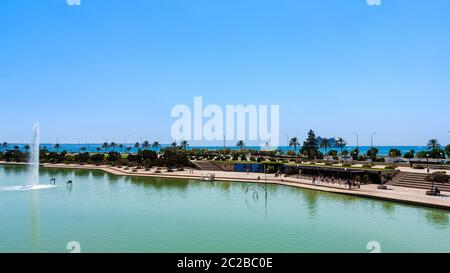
[(333, 153), (137, 145), (409, 155), (437, 177), (98, 158), (184, 144), (148, 155), (433, 144), (240, 144), (56, 147), (113, 156), (395, 153), (174, 144), (146, 145), (447, 150), (354, 153), (310, 147), (27, 147), (5, 146), (105, 146), (156, 145), (325, 144), (341, 143), (294, 143), (112, 145), (121, 147), (372, 153)]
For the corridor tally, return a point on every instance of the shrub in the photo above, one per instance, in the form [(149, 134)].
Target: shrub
[(438, 177), (418, 167), (391, 167), (368, 166), (362, 158), (365, 179)]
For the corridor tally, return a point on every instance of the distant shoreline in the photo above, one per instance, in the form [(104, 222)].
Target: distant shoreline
[(93, 148), (396, 194)]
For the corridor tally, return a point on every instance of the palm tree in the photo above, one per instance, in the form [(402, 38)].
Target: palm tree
[(105, 146), (325, 144), (137, 145), (294, 143), (113, 145), (340, 142), (121, 147), (5, 146), (433, 144), (240, 144), (184, 144), (56, 147), (146, 145), (156, 145), (27, 147), (174, 144)]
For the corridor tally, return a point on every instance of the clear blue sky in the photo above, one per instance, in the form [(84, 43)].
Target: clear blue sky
[(114, 68)]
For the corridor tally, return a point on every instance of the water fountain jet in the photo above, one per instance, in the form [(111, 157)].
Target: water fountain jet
[(33, 165)]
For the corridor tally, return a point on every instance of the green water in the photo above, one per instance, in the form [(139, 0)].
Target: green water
[(107, 213)]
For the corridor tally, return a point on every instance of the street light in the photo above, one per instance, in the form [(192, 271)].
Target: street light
[(357, 140), (428, 163), (371, 139)]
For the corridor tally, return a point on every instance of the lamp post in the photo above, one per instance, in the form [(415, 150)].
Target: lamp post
[(357, 140), (287, 142), (428, 163), (371, 139)]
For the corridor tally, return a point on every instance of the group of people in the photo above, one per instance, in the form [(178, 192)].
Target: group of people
[(332, 180)]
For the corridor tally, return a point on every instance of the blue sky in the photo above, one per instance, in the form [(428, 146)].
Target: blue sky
[(111, 69)]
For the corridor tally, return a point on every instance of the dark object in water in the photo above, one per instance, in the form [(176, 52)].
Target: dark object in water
[(69, 182)]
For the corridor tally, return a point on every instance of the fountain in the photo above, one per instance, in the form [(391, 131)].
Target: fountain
[(33, 165), (34, 157)]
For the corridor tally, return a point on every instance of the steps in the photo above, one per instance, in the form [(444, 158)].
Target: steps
[(208, 166), (418, 181)]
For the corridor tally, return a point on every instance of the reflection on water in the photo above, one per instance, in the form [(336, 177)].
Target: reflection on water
[(438, 218), (389, 208), (312, 198), (35, 220), (256, 193)]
